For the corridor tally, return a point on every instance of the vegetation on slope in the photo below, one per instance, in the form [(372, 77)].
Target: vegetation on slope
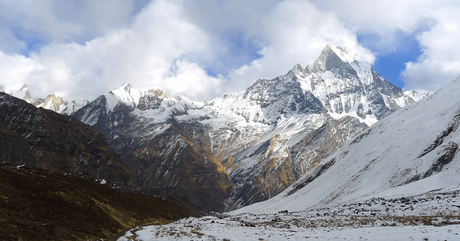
[(36, 204)]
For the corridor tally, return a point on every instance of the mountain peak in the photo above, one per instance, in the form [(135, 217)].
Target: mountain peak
[(345, 54), (327, 60), (127, 87), (158, 93), (332, 57), (135, 98), (124, 89), (126, 94), (21, 92), (297, 70)]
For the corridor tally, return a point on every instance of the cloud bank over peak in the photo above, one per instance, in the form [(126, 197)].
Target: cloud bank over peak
[(203, 49)]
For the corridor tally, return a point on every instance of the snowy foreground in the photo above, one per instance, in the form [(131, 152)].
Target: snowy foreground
[(223, 232), (431, 216)]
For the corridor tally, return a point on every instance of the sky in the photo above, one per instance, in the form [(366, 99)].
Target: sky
[(205, 48)]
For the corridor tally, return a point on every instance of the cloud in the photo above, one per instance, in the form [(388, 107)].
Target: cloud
[(9, 43), (64, 21), (192, 81), (166, 47), (170, 46), (439, 64), (152, 53), (15, 69), (433, 23), (203, 49), (295, 32), (384, 18)]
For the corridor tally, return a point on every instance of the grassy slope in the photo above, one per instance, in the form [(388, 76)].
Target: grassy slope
[(38, 205)]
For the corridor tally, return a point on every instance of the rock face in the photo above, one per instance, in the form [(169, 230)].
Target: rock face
[(246, 146), (411, 153), (174, 164), (163, 155), (45, 139)]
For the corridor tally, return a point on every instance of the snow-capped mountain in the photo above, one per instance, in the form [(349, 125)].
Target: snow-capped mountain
[(21, 92), (57, 104), (348, 86), (51, 102), (265, 137), (411, 153), (306, 115)]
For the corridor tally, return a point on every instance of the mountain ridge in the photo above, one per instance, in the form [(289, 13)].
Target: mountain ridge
[(272, 132)]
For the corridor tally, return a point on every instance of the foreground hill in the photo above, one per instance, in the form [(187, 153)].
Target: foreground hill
[(39, 205), (45, 139)]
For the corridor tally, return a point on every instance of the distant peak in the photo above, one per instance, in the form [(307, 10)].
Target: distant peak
[(345, 54), (297, 69), (24, 87), (332, 57), (18, 91), (127, 87), (297, 66), (158, 93), (327, 60)]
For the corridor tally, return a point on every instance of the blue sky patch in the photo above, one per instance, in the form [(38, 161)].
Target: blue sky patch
[(32, 44), (240, 51), (390, 63)]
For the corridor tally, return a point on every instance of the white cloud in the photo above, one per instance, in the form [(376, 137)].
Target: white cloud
[(166, 46), (192, 81), (440, 63), (433, 23), (91, 47), (61, 21), (15, 69), (146, 54), (295, 32)]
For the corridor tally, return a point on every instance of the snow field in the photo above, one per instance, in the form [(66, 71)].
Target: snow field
[(217, 229), (430, 216)]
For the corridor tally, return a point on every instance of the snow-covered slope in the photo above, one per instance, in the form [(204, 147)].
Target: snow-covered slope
[(411, 152)]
